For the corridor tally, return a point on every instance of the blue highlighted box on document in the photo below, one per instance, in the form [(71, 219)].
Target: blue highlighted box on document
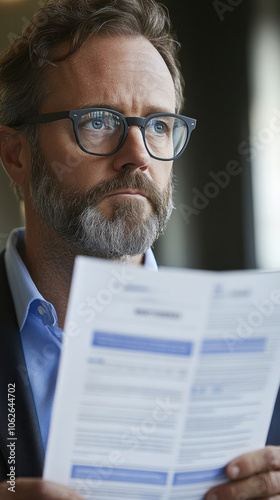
[(219, 346), (119, 475), (144, 344), (198, 476)]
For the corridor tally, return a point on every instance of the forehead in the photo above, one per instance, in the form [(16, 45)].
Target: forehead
[(120, 71)]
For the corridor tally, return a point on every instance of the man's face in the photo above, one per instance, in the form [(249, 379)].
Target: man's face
[(107, 206)]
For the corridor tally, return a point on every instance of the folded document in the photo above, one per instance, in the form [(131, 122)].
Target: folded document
[(164, 378)]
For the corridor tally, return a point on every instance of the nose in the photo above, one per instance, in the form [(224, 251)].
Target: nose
[(133, 154)]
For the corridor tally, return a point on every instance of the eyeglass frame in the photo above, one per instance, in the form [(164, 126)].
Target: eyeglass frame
[(128, 121)]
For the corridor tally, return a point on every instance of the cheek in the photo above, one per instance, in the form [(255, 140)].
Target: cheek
[(58, 144), (68, 162), (161, 174)]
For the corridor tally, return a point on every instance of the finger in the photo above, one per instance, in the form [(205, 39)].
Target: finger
[(249, 464), (265, 486), (27, 488)]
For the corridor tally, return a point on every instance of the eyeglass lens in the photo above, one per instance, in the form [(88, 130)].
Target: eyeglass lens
[(101, 132)]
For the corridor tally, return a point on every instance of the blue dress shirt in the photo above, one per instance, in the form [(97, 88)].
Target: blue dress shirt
[(40, 334)]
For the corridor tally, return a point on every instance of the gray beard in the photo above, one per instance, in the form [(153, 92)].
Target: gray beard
[(77, 220)]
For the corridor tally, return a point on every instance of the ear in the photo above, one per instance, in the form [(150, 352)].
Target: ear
[(15, 154)]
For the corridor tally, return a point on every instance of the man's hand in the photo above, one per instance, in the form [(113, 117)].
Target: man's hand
[(253, 475), (37, 489)]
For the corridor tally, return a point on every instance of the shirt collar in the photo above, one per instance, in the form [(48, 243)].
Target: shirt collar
[(150, 261), (23, 289)]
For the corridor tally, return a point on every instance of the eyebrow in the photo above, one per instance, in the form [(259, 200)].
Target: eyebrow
[(150, 110)]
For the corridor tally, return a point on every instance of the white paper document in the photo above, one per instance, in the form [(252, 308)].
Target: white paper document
[(164, 378)]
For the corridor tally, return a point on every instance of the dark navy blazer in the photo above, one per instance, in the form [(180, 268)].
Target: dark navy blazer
[(29, 446)]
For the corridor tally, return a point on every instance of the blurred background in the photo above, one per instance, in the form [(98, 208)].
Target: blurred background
[(227, 183)]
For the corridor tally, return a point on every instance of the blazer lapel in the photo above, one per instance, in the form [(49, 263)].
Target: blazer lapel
[(28, 445), (273, 437)]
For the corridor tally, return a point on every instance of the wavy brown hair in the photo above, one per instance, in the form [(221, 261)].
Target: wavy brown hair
[(22, 85), (22, 66)]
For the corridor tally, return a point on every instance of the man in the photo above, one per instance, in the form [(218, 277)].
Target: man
[(95, 180)]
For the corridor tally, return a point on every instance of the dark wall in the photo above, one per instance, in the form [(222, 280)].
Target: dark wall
[(218, 227)]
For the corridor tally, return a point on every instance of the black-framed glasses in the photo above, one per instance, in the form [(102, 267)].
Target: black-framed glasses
[(102, 132)]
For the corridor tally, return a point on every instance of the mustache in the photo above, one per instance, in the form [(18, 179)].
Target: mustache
[(45, 180), (125, 180)]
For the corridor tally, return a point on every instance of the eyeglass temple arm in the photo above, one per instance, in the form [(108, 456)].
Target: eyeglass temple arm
[(45, 118)]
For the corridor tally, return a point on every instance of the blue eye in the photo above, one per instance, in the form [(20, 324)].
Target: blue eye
[(159, 127), (97, 124), (100, 121)]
